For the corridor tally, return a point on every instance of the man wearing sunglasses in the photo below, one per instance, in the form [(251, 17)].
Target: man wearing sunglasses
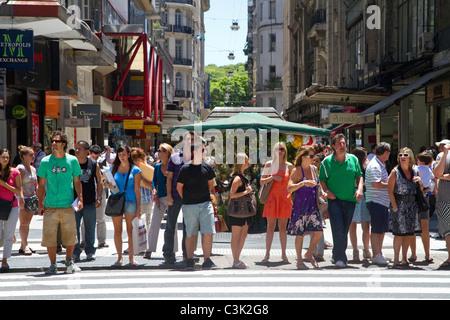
[(58, 174)]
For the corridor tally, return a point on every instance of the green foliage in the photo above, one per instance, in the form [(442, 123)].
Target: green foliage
[(229, 92)]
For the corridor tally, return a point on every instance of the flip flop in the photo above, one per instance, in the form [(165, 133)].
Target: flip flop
[(445, 264)]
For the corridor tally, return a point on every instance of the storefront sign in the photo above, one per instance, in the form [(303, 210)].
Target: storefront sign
[(343, 118), (76, 123), (35, 127), (19, 112), (16, 49), (90, 111), (152, 129), (133, 124)]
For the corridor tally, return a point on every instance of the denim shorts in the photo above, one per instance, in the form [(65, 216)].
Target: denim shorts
[(130, 207), (200, 213)]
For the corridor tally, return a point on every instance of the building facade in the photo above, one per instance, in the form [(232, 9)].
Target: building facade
[(375, 70), (265, 52), (104, 71)]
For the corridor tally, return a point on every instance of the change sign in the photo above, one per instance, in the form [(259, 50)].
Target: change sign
[(16, 49)]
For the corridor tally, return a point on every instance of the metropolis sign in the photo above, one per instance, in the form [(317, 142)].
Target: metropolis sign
[(16, 49)]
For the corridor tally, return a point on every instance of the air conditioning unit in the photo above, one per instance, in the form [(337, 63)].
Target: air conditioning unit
[(426, 43)]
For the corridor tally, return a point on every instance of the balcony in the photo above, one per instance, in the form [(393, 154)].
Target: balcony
[(145, 5), (180, 29), (187, 94), (190, 2), (183, 62)]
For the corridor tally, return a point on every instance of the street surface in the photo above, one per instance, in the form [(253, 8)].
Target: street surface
[(155, 280)]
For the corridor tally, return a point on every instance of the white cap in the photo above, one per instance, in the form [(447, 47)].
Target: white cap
[(445, 142)]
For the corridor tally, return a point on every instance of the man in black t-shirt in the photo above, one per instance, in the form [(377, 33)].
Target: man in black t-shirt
[(194, 184), (90, 174)]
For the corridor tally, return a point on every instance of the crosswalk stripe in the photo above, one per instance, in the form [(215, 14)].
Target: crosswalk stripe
[(229, 280), (232, 283), (224, 291)]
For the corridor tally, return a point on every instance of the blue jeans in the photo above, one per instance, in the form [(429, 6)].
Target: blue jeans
[(340, 213), (171, 227), (89, 215)]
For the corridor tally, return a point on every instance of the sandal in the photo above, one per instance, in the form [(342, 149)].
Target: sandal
[(240, 265), (445, 264), (302, 266), (312, 261), (118, 264)]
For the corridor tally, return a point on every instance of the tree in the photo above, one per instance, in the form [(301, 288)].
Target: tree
[(229, 86)]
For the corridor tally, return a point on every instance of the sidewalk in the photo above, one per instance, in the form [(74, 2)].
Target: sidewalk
[(252, 254)]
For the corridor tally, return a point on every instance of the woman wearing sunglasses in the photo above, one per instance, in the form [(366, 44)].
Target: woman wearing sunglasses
[(305, 216), (404, 221)]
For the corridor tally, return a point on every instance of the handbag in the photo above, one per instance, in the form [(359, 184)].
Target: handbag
[(5, 208), (322, 204), (31, 204), (116, 202), (243, 207)]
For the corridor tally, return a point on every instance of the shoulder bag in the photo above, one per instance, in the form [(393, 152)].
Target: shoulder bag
[(264, 191), (116, 202), (322, 204), (242, 207), (420, 198), (5, 208)]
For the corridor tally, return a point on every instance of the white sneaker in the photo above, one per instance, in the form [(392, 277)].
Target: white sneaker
[(379, 260), (72, 268), (341, 264)]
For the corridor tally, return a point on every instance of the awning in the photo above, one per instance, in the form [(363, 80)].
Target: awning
[(377, 108), (337, 96), (256, 121)]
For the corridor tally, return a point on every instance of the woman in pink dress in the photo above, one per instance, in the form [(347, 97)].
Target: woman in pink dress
[(279, 205)]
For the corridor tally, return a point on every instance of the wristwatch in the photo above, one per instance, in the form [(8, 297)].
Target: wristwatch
[(99, 198)]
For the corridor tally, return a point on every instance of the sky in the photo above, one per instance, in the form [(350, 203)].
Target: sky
[(220, 40)]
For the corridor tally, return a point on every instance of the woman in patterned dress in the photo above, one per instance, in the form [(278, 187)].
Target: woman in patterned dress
[(305, 216), (404, 220), (279, 204)]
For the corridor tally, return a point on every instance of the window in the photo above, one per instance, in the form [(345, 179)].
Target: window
[(273, 72), (273, 42), (178, 17), (273, 10), (415, 17), (178, 82), (356, 52), (178, 49)]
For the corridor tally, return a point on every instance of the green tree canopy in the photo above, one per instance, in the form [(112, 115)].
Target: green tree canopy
[(227, 90)]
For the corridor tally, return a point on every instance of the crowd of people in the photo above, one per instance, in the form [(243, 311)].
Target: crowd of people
[(349, 189)]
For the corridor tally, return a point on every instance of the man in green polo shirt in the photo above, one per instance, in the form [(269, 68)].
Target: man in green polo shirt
[(339, 174)]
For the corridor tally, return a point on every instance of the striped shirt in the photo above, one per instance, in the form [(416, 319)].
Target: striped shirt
[(376, 172)]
